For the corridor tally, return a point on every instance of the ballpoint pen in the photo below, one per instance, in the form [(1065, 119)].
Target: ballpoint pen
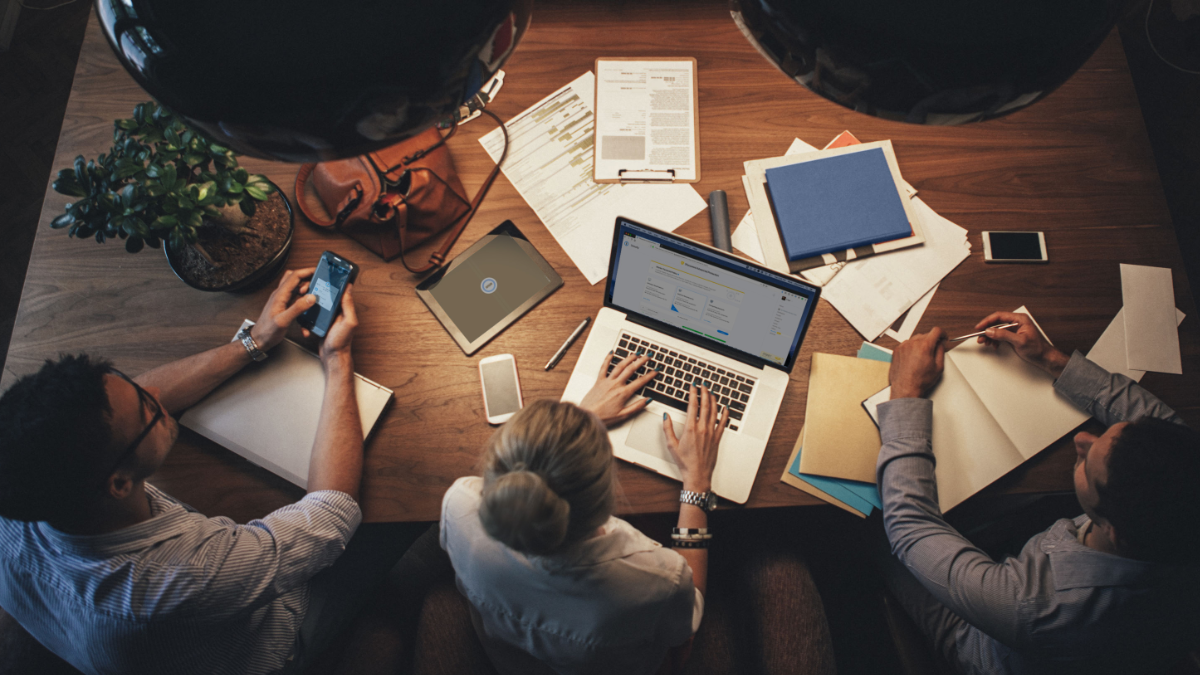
[(567, 345), (971, 335)]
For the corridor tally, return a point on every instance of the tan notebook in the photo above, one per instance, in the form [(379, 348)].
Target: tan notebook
[(841, 441), (268, 412)]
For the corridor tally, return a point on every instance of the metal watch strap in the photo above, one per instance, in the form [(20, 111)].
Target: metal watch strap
[(703, 500), (251, 346)]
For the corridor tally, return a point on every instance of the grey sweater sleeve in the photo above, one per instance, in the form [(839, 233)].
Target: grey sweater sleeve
[(1109, 397)]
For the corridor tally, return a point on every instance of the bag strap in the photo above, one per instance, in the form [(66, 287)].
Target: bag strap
[(439, 256)]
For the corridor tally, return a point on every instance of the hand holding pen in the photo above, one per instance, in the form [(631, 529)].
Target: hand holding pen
[(1026, 340)]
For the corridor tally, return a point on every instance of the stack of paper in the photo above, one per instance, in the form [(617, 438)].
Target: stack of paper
[(550, 157), (1144, 335), (872, 292)]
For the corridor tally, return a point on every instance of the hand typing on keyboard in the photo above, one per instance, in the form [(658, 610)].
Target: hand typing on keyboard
[(696, 451), (609, 397)]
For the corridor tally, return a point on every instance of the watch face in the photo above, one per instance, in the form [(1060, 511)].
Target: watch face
[(711, 501)]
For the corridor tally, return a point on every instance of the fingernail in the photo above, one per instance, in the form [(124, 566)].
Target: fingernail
[(610, 352), (664, 417)]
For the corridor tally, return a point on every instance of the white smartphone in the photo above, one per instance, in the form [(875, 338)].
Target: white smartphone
[(501, 388), (1024, 247)]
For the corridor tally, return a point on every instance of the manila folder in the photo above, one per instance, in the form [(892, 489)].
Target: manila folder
[(841, 441)]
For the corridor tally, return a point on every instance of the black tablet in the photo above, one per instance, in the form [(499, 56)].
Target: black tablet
[(488, 287)]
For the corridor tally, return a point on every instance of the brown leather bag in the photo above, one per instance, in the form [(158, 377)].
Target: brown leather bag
[(394, 199)]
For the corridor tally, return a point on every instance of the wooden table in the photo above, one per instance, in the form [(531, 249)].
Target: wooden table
[(1077, 165)]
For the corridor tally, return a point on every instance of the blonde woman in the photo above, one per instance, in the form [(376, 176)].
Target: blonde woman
[(556, 582)]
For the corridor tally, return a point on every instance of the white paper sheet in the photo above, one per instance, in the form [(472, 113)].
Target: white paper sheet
[(970, 447), (550, 163), (646, 117), (1109, 350), (873, 292), (1151, 332), (912, 317), (1020, 396)]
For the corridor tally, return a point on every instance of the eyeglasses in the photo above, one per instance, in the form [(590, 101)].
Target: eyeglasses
[(147, 401)]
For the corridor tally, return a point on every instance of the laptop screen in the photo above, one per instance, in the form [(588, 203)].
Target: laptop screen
[(714, 299)]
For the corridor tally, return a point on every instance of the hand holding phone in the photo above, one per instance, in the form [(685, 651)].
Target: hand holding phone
[(328, 284)]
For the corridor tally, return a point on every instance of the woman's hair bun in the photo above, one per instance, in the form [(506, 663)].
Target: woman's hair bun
[(521, 511)]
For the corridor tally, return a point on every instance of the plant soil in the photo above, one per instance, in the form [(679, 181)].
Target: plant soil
[(239, 254)]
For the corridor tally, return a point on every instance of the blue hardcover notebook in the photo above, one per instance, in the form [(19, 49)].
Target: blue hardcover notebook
[(836, 203)]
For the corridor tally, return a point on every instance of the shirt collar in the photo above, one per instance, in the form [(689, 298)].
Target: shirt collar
[(617, 539), (166, 523), (1078, 566)]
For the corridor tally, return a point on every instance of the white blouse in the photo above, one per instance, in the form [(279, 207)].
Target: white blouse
[(613, 603)]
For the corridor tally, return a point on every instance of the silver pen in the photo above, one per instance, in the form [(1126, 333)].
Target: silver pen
[(567, 345), (971, 335)]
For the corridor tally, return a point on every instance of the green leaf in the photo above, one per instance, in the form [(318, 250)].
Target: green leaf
[(165, 223), (134, 244), (194, 159), (153, 241), (65, 183), (242, 176), (128, 171), (228, 184), (126, 125), (62, 221), (176, 241), (155, 189), (255, 191), (248, 207), (202, 191), (193, 219)]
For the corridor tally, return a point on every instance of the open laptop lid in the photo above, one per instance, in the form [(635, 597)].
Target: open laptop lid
[(707, 296)]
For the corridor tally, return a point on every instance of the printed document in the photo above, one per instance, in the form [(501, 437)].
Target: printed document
[(646, 119), (550, 163)]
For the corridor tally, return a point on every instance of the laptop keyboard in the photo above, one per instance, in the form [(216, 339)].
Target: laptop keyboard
[(679, 370)]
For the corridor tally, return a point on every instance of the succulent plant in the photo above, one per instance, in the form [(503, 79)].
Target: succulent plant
[(160, 182)]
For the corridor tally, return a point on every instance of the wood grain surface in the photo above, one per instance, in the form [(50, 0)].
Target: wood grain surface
[(1077, 165)]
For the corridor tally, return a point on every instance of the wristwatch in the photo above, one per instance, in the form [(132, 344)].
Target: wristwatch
[(250, 345), (704, 500)]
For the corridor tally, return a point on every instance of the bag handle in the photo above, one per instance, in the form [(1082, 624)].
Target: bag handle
[(439, 256)]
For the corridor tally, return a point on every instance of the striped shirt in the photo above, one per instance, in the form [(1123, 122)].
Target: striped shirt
[(178, 593)]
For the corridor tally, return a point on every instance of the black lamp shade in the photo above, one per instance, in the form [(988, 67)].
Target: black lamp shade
[(304, 80), (928, 61)]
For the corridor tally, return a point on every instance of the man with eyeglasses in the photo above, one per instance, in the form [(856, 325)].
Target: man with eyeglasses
[(115, 576)]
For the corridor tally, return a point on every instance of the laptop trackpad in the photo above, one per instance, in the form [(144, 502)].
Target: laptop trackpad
[(647, 435)]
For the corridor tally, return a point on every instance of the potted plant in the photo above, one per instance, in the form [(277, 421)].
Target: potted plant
[(161, 182)]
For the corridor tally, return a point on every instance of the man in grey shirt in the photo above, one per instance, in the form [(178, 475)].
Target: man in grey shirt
[(115, 576), (1114, 590)]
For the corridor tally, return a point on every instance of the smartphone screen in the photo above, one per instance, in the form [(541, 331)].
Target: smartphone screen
[(1015, 245), (328, 283), (501, 394)]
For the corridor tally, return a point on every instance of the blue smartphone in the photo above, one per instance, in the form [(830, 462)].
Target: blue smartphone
[(328, 284)]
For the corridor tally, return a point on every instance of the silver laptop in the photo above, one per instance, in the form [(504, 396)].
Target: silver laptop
[(705, 317)]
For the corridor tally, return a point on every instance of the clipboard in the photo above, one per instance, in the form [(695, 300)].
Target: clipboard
[(632, 144)]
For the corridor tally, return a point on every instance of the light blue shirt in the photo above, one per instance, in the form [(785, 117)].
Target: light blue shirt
[(178, 593), (1058, 606)]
